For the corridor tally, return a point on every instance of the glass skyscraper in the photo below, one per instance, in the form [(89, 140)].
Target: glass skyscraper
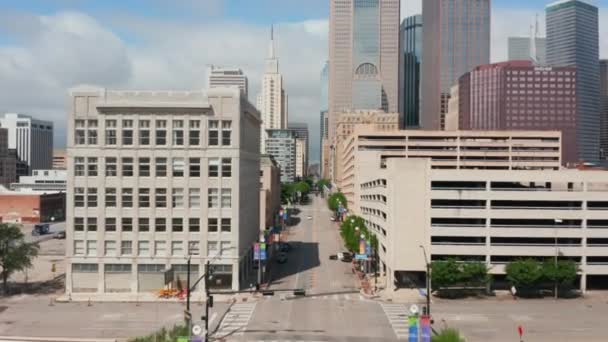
[(573, 40), (411, 37), (323, 111)]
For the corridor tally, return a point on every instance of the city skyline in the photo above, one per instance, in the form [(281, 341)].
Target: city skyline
[(138, 48)]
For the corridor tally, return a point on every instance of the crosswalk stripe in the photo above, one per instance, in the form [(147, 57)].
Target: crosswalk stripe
[(396, 314)]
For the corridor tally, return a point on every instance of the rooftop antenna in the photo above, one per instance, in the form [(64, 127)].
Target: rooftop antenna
[(533, 38)]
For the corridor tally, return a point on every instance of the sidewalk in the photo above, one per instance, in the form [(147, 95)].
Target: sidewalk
[(195, 297)]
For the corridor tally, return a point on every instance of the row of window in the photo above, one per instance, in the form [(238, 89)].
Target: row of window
[(144, 248), (126, 167), (146, 268), (160, 224), (179, 198), (219, 133)]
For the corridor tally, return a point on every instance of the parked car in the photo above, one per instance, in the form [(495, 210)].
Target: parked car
[(282, 258), (284, 247), (41, 229), (60, 235), (333, 257), (332, 218), (345, 256), (309, 217)]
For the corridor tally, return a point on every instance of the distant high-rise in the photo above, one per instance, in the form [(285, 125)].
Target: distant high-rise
[(323, 135), (272, 101), (32, 139), (455, 39), (573, 40), (604, 109), (281, 145), (520, 49), (363, 56), (302, 154), (411, 38), (226, 77)]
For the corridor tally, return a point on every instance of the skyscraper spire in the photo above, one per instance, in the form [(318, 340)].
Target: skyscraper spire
[(271, 53)]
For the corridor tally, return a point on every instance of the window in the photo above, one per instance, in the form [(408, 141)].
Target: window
[(127, 224), (226, 225), (78, 247), (109, 248), (127, 132), (226, 248), (194, 134), (92, 132), (161, 132), (226, 198), (194, 199), (213, 133), (214, 165), (85, 268), (91, 224), (212, 248), (161, 167), (143, 248), (161, 198), (213, 201), (194, 224), (143, 224), (127, 167), (194, 248), (78, 166), (79, 197), (160, 224), (226, 167), (178, 132), (117, 268), (79, 134), (177, 224), (177, 248), (212, 225), (79, 224), (160, 248), (126, 247), (92, 197), (195, 167), (178, 198), (226, 133), (144, 198), (110, 224), (127, 198), (144, 132), (92, 247), (110, 197), (144, 167), (111, 167), (92, 166), (179, 167), (111, 132)]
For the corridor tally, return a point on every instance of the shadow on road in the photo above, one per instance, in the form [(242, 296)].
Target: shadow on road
[(302, 257), (42, 287)]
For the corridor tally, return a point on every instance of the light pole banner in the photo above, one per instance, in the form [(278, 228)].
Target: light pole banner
[(425, 328), (413, 328), (361, 246)]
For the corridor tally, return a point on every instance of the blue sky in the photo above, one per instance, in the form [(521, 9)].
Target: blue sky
[(48, 46)]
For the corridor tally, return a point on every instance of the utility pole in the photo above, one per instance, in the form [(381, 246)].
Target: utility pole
[(188, 315), (428, 282), (207, 296)]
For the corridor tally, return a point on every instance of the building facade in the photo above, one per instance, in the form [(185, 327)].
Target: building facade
[(411, 38), (31, 138), (456, 38), (517, 95), (324, 117), (42, 181), (452, 115), (573, 40), (363, 57), (484, 150), (604, 109), (491, 216), (32, 206), (272, 102), (8, 162), (302, 151), (521, 49), (270, 191), (157, 177), (281, 145), (60, 159), (220, 77)]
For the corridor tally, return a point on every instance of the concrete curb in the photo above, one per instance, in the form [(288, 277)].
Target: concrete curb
[(94, 299), (53, 339)]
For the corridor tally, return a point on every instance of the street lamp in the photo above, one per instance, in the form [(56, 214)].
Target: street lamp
[(428, 282), (556, 221)]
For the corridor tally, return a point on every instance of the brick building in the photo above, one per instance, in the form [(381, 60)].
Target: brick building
[(31, 207)]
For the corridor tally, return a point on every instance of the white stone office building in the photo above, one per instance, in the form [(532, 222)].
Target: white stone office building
[(31, 138), (281, 145), (221, 77), (42, 181), (156, 176), (493, 216)]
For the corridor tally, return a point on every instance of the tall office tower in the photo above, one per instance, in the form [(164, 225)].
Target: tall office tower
[(323, 111), (159, 177), (520, 48), (31, 138), (409, 71), (302, 152), (281, 145), (573, 40), (363, 57), (8, 163), (220, 77), (604, 109), (455, 39), (272, 101)]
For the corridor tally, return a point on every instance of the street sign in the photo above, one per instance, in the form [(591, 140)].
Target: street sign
[(256, 251), (414, 309), (413, 328), (368, 248), (425, 327), (197, 330), (360, 256), (362, 247), (263, 254)]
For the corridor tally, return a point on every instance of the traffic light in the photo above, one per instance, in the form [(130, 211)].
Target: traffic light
[(210, 301)]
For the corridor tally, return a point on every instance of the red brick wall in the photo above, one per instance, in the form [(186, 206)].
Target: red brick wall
[(20, 208)]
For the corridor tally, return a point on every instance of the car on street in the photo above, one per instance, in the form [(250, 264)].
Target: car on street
[(60, 235), (309, 217), (332, 218), (333, 257), (282, 258), (41, 229), (284, 247), (345, 256)]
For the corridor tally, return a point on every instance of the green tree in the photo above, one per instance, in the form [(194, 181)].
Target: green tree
[(323, 183), (15, 254), (563, 274), (475, 274), (448, 335), (301, 187), (287, 192), (525, 274), (335, 199), (444, 273)]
